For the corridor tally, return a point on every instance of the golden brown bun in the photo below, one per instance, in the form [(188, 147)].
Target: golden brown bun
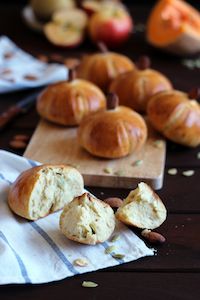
[(176, 117), (87, 220), (113, 133), (44, 189), (102, 68), (142, 208), (134, 88), (66, 103)]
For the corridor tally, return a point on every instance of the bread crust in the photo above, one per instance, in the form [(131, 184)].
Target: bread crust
[(20, 191), (102, 68), (66, 103), (176, 117), (134, 88), (113, 133)]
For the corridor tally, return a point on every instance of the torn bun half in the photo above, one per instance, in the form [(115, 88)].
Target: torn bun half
[(142, 208), (44, 189)]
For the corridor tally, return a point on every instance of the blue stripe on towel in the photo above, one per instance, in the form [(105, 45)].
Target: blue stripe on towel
[(19, 260), (54, 247), (3, 178), (120, 260), (32, 162)]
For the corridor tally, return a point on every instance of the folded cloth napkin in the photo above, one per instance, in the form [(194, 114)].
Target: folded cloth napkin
[(37, 252), (19, 70)]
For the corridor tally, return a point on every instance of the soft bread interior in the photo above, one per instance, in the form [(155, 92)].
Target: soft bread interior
[(87, 220), (142, 208), (54, 188)]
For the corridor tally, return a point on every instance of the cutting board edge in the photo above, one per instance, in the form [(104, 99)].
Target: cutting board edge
[(119, 182)]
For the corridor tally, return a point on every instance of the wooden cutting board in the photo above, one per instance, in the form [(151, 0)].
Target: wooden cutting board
[(56, 144)]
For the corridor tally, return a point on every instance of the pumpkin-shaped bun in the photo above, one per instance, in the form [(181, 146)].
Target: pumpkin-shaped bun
[(113, 133), (67, 102), (102, 68), (134, 88), (176, 117)]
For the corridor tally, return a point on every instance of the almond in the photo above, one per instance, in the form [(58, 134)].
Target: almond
[(153, 237), (30, 77), (21, 137), (114, 202), (71, 62), (17, 144), (43, 58), (81, 262)]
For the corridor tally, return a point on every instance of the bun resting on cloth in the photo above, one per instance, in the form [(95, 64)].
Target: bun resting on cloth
[(142, 208), (44, 189), (87, 220)]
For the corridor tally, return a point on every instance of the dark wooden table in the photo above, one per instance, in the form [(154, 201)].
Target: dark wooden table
[(174, 272)]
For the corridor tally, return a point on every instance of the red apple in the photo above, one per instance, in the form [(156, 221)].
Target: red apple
[(111, 26), (67, 28)]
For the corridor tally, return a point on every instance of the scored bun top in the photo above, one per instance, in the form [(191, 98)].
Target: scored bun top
[(176, 117), (113, 133), (67, 102), (102, 68), (134, 88)]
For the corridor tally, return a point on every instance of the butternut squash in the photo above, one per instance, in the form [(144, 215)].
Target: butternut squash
[(174, 25)]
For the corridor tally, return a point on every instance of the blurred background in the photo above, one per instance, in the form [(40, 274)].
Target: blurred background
[(133, 2)]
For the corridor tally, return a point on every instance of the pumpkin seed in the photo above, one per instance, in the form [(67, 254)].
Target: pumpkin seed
[(119, 173), (138, 162), (107, 170), (118, 256), (109, 249), (115, 238), (89, 284), (172, 171), (158, 143), (188, 173)]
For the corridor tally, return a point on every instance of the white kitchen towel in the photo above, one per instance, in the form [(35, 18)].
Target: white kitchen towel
[(37, 252), (19, 70)]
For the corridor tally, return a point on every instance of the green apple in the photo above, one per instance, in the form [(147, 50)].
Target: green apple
[(43, 9)]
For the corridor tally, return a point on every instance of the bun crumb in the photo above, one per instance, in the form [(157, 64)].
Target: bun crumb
[(87, 220), (142, 208)]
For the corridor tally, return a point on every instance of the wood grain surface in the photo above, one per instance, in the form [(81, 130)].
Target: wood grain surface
[(172, 274), (56, 144)]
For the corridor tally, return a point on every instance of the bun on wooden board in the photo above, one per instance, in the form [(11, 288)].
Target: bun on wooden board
[(113, 133), (44, 189), (67, 102)]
